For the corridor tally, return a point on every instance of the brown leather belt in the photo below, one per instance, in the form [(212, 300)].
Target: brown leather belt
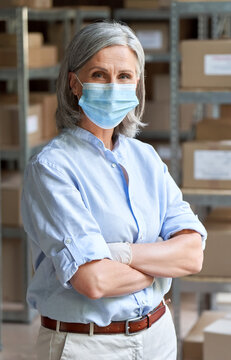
[(128, 327)]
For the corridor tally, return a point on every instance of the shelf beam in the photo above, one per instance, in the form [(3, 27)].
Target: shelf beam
[(204, 197), (205, 284), (206, 97), (141, 14), (40, 73), (157, 57), (198, 8)]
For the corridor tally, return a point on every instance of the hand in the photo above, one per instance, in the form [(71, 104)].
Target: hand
[(121, 252)]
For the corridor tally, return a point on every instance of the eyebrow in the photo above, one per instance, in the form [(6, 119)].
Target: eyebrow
[(104, 69)]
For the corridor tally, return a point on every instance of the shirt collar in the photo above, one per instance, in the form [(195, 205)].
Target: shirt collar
[(86, 135)]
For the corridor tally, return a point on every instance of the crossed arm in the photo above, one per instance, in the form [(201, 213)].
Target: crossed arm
[(179, 256)]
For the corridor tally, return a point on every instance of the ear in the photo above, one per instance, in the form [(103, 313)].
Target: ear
[(73, 83)]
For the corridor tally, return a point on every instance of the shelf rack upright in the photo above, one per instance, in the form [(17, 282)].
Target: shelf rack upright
[(198, 197)]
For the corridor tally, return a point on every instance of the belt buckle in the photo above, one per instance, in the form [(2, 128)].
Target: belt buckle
[(127, 327)]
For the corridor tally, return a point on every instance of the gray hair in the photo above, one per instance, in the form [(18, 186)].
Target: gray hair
[(85, 44)]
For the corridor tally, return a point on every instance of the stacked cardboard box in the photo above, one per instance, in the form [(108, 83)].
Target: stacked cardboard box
[(207, 164), (164, 3), (193, 342), (211, 61), (157, 111), (154, 37), (40, 121), (49, 106), (219, 236), (39, 55), (138, 4), (218, 225), (201, 0), (219, 215), (12, 248), (11, 187), (214, 129), (29, 3), (225, 111), (9, 40), (217, 340), (9, 125), (146, 4), (12, 270)]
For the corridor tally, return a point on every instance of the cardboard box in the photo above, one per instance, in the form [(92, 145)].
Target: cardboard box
[(165, 3), (29, 3), (9, 125), (201, 0), (157, 115), (151, 70), (42, 56), (217, 340), (144, 4), (207, 165), (161, 87), (213, 129), (187, 116), (154, 37), (49, 106), (12, 270), (211, 61), (193, 342), (11, 187), (48, 101), (56, 33), (225, 111), (219, 236), (219, 215), (10, 40)]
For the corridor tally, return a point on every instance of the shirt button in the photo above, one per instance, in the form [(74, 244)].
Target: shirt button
[(68, 241), (143, 302), (141, 236), (113, 165)]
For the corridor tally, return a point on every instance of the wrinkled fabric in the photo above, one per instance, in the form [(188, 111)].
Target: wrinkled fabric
[(77, 197), (155, 343)]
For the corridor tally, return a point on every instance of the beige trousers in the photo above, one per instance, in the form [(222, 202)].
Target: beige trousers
[(155, 343)]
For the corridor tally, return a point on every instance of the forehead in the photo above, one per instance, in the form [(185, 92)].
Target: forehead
[(117, 55)]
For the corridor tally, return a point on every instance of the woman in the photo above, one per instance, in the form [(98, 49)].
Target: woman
[(95, 203)]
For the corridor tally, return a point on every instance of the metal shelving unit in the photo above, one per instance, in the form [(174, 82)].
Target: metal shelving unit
[(152, 16), (18, 18), (145, 15), (198, 197)]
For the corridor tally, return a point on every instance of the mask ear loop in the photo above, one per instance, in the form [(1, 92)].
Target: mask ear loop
[(79, 80), (80, 84)]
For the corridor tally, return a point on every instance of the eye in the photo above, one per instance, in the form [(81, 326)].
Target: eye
[(125, 76), (97, 75)]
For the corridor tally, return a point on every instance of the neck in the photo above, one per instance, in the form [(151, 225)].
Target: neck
[(105, 135)]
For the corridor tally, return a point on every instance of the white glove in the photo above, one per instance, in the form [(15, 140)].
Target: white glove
[(121, 252)]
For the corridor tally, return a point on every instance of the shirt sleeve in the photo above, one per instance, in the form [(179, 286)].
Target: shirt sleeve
[(58, 222), (177, 213)]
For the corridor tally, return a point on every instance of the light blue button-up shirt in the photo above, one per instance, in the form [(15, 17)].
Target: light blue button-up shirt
[(76, 200)]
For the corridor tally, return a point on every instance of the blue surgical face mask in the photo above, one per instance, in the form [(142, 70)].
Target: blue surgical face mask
[(106, 105)]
